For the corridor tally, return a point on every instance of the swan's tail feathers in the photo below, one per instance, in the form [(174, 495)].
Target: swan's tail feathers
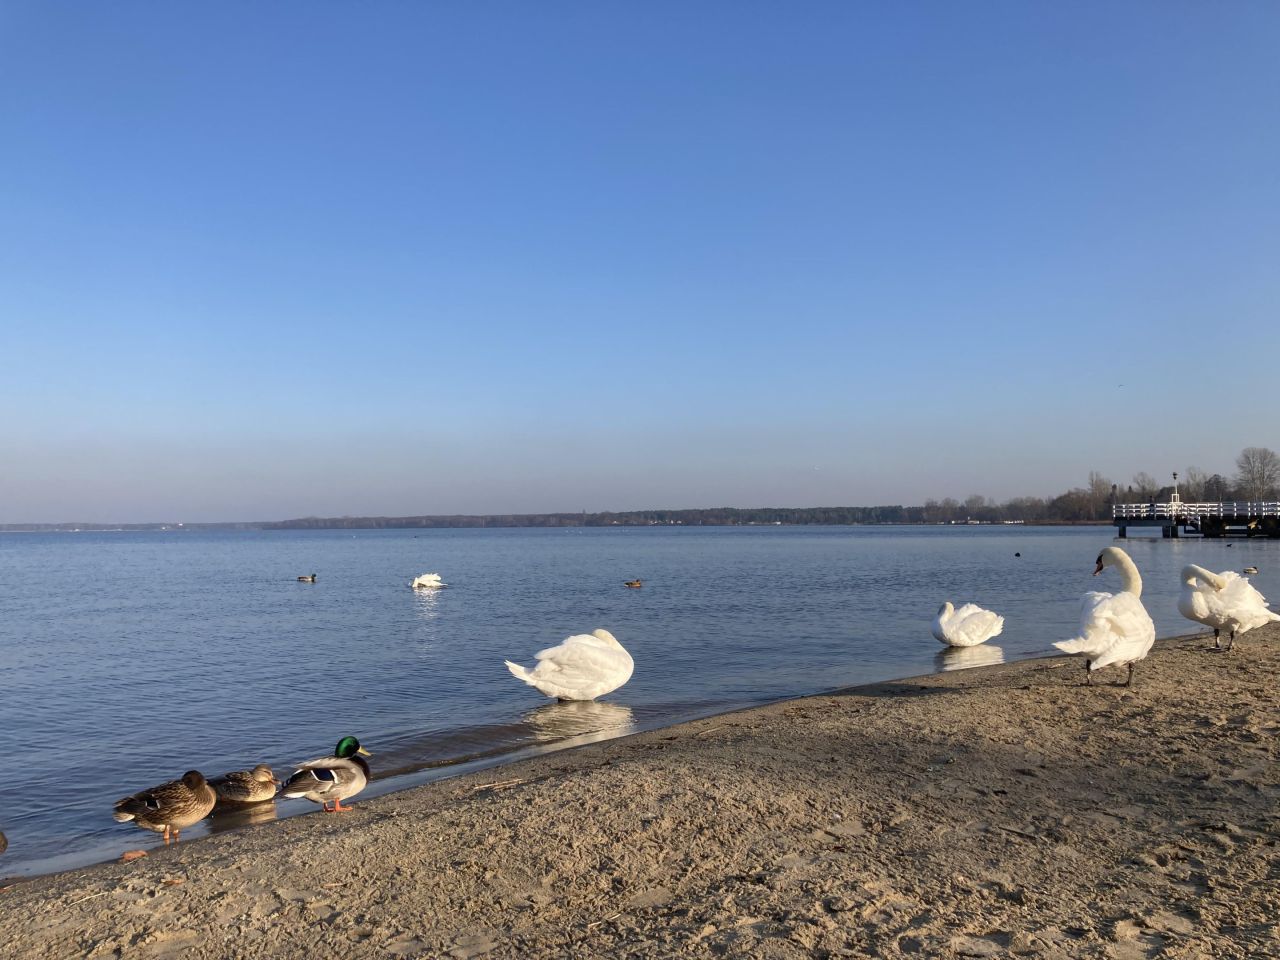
[(519, 672), (1077, 645)]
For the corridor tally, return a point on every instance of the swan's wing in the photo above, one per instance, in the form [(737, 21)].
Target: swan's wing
[(580, 659), (972, 625), (1097, 626), (1242, 605), (1131, 629)]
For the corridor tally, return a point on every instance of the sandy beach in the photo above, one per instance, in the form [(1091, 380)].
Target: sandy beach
[(1003, 811)]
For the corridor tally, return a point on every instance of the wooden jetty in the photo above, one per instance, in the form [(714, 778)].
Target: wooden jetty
[(1235, 518)]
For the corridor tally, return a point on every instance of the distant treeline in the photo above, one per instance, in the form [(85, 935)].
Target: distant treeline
[(1257, 478)]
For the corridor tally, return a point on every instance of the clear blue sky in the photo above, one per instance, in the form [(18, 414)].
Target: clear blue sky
[(266, 260)]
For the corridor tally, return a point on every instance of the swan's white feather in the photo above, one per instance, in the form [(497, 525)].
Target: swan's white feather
[(1115, 628), (1223, 601), (966, 627), (583, 667)]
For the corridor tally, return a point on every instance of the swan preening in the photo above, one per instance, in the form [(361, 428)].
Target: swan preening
[(1223, 601), (583, 667), (966, 627), (1115, 629), (428, 581)]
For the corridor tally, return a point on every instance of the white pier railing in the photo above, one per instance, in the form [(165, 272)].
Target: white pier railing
[(1228, 510)]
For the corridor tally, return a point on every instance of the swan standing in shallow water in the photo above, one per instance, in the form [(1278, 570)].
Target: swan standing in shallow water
[(1223, 601), (584, 667), (1115, 629), (966, 627)]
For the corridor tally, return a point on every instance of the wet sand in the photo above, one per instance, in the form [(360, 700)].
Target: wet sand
[(1002, 811)]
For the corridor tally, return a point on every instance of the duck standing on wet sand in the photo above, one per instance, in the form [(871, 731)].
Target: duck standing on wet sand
[(246, 786), (168, 808), (332, 779)]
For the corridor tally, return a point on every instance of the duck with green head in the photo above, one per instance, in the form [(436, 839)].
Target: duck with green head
[(332, 779), (170, 806)]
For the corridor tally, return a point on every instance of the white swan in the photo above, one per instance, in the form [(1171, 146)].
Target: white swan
[(428, 581), (1115, 629), (584, 667), (966, 627), (1223, 601)]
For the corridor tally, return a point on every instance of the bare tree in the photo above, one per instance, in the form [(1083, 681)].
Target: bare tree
[(1217, 488), (1145, 484), (1193, 484), (1258, 473), (1099, 494)]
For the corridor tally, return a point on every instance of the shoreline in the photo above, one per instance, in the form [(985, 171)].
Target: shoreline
[(983, 812)]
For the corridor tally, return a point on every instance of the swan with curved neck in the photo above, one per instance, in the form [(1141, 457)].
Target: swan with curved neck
[(1130, 578), (1115, 629), (1223, 601)]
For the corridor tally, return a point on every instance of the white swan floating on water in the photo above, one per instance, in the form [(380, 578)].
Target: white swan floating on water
[(966, 627), (1223, 601), (584, 667), (428, 581), (1115, 629)]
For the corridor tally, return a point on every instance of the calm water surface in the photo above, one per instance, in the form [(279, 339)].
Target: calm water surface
[(128, 658)]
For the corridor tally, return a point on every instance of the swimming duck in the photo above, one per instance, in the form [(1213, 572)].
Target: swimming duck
[(966, 627), (331, 779), (633, 583), (1115, 629), (4, 842), (1250, 571), (246, 786), (1223, 601), (169, 807), (583, 667), (310, 578), (428, 581)]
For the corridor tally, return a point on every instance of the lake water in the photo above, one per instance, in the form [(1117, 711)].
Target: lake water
[(128, 658)]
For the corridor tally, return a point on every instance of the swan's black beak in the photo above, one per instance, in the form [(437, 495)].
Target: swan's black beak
[(1098, 569)]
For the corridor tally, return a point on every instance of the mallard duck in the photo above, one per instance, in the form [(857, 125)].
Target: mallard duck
[(1115, 629), (633, 583), (331, 779), (169, 807), (1250, 571), (4, 842), (584, 667), (966, 627), (246, 786), (309, 578), (428, 581)]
